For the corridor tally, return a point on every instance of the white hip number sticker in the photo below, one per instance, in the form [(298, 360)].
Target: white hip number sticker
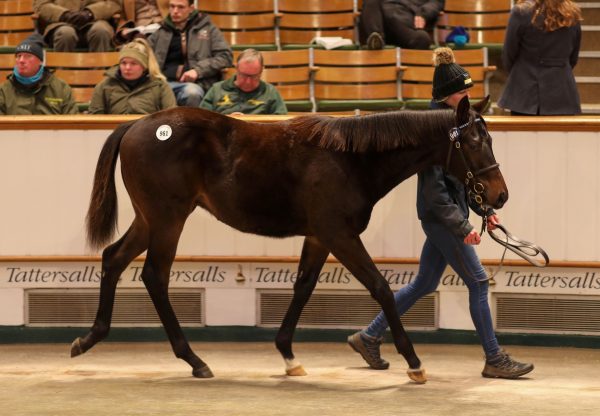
[(164, 132)]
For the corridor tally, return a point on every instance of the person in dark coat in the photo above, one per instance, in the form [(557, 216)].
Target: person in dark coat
[(540, 51), (191, 52), (402, 23)]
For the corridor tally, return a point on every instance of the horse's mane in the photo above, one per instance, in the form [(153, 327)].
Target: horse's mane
[(374, 132)]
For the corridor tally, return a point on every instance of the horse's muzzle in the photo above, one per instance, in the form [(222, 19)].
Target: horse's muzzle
[(501, 200)]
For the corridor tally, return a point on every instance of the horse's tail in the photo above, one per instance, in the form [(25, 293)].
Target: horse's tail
[(102, 213)]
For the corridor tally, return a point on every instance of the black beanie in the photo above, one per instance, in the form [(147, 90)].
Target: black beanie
[(34, 45), (448, 77)]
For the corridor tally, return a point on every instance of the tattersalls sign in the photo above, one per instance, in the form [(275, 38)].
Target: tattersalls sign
[(549, 280)]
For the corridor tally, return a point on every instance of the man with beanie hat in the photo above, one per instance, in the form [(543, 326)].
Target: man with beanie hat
[(31, 88), (69, 24), (443, 208)]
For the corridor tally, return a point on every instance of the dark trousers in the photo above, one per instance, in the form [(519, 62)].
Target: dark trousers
[(394, 23)]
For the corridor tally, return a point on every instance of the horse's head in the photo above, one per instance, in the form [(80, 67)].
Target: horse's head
[(471, 159)]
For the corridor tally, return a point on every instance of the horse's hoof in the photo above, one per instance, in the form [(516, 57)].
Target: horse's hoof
[(417, 375), (293, 367), (76, 348), (202, 372), (296, 371)]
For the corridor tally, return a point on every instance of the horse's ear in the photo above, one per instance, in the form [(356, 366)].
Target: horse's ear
[(462, 111), (482, 106)]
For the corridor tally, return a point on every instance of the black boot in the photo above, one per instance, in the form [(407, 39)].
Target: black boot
[(375, 41)]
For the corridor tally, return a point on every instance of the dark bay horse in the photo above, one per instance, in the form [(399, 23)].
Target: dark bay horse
[(314, 176)]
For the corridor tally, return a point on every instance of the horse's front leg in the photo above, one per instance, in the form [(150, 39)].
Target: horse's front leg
[(311, 262), (115, 259), (352, 254)]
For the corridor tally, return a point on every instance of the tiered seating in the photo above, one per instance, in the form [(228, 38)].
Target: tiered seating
[(417, 74), (244, 23), (351, 80), (290, 72), (16, 22), (81, 70), (485, 20), (312, 79), (7, 62), (347, 80), (300, 21)]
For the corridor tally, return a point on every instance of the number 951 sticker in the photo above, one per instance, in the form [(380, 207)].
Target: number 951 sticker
[(164, 132)]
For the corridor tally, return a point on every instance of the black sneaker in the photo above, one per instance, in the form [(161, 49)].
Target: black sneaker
[(502, 366), (368, 348), (375, 41)]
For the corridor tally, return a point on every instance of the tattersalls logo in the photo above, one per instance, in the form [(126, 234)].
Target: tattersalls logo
[(79, 275), (334, 275), (41, 275), (213, 274), (520, 279)]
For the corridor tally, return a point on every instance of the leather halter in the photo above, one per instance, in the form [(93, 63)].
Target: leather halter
[(524, 249), (477, 188)]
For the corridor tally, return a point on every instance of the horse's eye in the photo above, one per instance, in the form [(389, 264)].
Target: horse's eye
[(482, 130)]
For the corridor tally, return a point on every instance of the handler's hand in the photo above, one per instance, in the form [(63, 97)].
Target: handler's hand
[(492, 220), (472, 238)]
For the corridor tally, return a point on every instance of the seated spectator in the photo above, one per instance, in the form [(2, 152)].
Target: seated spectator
[(141, 18), (402, 23), (32, 88), (135, 86), (245, 92), (68, 25), (191, 52)]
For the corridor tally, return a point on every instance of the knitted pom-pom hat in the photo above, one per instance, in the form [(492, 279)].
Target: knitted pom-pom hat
[(448, 77)]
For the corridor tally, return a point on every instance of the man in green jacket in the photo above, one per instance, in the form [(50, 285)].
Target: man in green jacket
[(31, 88), (245, 93)]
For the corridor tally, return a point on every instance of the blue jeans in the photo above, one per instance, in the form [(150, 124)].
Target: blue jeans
[(188, 94), (442, 247)]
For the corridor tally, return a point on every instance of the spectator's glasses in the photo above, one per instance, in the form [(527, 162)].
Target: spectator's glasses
[(253, 77)]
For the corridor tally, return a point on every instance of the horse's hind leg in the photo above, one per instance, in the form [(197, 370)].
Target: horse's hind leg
[(155, 275), (115, 259), (311, 262), (352, 254)]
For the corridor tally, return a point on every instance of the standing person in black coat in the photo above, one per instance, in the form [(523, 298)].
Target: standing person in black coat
[(540, 51), (398, 22)]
